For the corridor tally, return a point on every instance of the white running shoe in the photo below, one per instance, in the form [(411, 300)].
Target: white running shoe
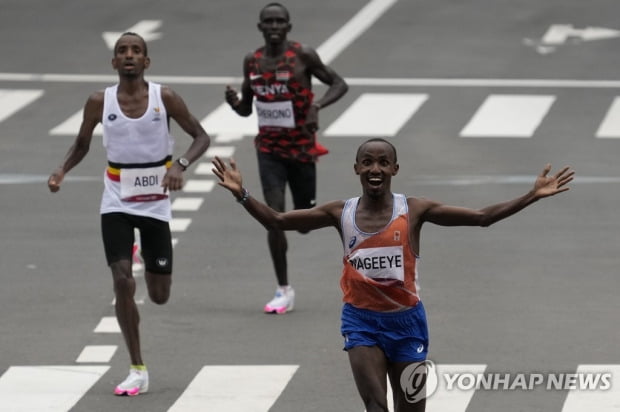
[(282, 302), (136, 383)]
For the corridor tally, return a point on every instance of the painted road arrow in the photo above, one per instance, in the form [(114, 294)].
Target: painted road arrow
[(145, 28), (560, 34)]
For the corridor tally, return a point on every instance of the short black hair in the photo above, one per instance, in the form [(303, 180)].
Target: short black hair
[(131, 33), (274, 4), (376, 139)]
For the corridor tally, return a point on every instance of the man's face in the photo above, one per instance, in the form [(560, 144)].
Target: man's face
[(274, 24), (375, 166), (129, 56)]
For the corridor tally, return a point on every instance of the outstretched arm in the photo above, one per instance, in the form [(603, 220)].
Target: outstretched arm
[(93, 110), (302, 220), (544, 186)]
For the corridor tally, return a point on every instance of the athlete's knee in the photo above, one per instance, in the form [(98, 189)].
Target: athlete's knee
[(159, 297), (124, 285), (158, 286)]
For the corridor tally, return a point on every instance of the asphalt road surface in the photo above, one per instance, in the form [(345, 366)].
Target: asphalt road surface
[(477, 96)]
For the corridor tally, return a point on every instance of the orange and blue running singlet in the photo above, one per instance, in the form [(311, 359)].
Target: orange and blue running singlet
[(380, 269)]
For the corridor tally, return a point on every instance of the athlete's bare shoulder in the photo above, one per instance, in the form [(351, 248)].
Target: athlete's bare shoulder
[(97, 96), (419, 205)]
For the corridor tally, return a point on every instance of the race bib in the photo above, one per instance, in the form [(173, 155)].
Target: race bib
[(143, 185), (275, 114), (380, 263)]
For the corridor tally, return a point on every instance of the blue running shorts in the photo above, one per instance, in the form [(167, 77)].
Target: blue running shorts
[(403, 336)]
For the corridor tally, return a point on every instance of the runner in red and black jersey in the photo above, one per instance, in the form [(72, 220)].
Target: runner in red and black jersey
[(279, 75)]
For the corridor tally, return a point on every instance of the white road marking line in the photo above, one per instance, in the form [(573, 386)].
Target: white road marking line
[(352, 81), (508, 116), (598, 400), (198, 186), (204, 168), (228, 137), (224, 121), (239, 388), (179, 224), (97, 354), (468, 82), (71, 126), (442, 399), (46, 388), (11, 101), (610, 127), (138, 300), (107, 324), (187, 204), (354, 28), (376, 114), (220, 151), (454, 400)]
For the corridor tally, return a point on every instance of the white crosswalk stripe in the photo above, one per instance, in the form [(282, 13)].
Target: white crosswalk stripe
[(371, 114), (508, 116), (599, 400), (224, 121), (610, 127), (235, 388), (71, 126), (97, 354), (187, 204), (256, 388), (46, 388), (11, 101), (377, 114), (444, 399), (452, 400)]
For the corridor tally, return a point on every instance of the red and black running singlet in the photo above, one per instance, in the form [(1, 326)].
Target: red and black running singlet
[(281, 104)]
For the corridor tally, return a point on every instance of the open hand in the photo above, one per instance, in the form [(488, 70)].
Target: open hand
[(551, 185), (230, 177)]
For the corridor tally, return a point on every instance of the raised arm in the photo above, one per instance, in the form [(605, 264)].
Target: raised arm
[(544, 186), (177, 109), (302, 220), (243, 106), (93, 110)]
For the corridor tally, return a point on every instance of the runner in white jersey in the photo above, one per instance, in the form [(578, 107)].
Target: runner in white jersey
[(139, 152), (140, 174), (383, 319)]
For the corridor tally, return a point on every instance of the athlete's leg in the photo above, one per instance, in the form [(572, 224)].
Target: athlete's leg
[(118, 238), (157, 254), (125, 307), (405, 340), (415, 381), (273, 180), (369, 367)]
